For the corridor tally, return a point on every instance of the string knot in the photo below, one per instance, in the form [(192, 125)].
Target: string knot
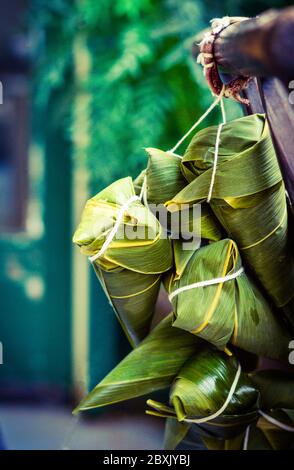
[(207, 60), (209, 282), (115, 228)]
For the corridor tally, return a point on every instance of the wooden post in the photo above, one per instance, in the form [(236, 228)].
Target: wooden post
[(263, 47), (270, 96)]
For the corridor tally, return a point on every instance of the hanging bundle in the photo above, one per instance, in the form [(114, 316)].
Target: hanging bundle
[(264, 420), (224, 290), (211, 392), (274, 428), (214, 298), (210, 375), (127, 257), (248, 198)]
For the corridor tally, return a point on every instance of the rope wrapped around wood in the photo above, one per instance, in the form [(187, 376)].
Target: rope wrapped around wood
[(210, 69)]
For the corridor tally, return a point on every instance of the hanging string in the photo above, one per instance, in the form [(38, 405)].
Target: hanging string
[(246, 438), (216, 149), (277, 423), (211, 107), (218, 100), (174, 154), (114, 230), (217, 142), (223, 110), (209, 282), (222, 409)]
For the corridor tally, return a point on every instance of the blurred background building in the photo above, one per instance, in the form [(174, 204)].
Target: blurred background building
[(85, 86)]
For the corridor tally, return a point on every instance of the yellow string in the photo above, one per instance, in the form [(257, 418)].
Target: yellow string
[(136, 293), (217, 295), (268, 235)]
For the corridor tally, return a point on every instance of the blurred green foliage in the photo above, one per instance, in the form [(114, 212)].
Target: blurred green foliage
[(143, 87)]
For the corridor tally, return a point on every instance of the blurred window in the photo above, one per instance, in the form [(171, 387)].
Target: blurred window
[(14, 118), (13, 152)]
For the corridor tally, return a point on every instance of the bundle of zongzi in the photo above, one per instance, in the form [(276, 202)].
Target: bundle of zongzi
[(248, 198), (271, 426), (129, 262), (211, 392), (215, 299), (274, 430)]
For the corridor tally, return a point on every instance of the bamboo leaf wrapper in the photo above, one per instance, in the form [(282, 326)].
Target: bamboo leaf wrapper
[(131, 268), (151, 366), (248, 199), (229, 311)]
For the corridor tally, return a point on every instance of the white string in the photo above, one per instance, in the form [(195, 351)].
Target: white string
[(246, 438), (209, 282), (112, 233), (222, 409), (211, 107), (216, 149), (217, 142), (280, 425), (222, 106)]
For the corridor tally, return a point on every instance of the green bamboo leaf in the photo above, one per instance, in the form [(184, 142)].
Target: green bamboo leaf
[(203, 384), (130, 268), (138, 182), (276, 388), (174, 433), (232, 311), (212, 443), (257, 440), (200, 390), (235, 443), (164, 179), (276, 400), (248, 199), (278, 438), (151, 366), (164, 172)]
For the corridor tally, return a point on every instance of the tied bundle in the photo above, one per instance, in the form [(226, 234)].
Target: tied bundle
[(202, 380), (129, 262), (274, 428), (248, 198), (227, 410), (215, 299), (211, 393)]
